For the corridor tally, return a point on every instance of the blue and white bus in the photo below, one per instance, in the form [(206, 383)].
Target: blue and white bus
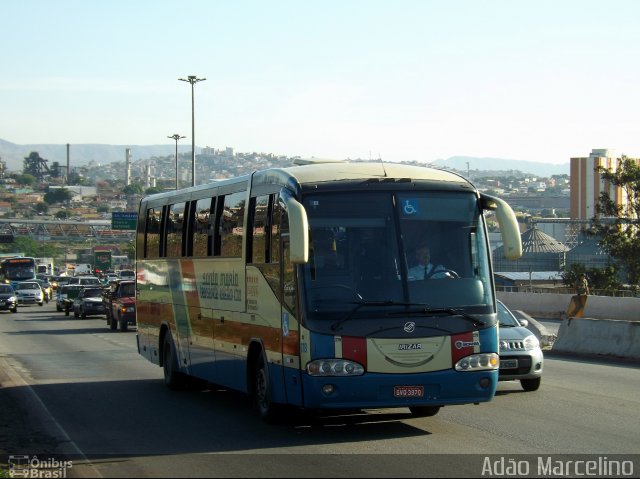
[(292, 285)]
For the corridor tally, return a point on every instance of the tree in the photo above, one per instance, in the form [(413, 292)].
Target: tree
[(129, 248), (600, 279), (132, 189), (57, 195), (25, 179), (31, 247), (41, 208), (618, 224), (62, 214)]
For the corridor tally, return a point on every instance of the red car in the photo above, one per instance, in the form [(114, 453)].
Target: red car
[(121, 305)]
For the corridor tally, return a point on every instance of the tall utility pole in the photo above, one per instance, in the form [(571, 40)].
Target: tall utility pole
[(193, 80), (176, 137)]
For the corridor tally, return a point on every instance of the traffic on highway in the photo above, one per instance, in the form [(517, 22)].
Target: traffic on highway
[(84, 382)]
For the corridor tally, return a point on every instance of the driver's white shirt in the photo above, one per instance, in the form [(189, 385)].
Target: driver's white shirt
[(421, 271)]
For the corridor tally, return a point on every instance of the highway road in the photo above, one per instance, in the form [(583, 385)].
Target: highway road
[(109, 409)]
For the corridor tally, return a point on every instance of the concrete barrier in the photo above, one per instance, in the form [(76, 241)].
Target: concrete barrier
[(608, 337), (609, 326), (547, 305)]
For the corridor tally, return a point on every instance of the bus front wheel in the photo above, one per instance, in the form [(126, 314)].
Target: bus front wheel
[(262, 392), (424, 411)]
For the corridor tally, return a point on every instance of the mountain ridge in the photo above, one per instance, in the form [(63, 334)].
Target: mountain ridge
[(83, 154)]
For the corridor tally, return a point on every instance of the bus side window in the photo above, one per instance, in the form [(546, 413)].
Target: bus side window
[(277, 223), (231, 224), (175, 223), (259, 230), (201, 228), (152, 235), (289, 296)]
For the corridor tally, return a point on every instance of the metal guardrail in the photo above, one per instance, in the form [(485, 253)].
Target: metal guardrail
[(45, 230)]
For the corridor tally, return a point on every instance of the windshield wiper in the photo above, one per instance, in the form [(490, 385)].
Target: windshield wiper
[(456, 312), (361, 304), (423, 308)]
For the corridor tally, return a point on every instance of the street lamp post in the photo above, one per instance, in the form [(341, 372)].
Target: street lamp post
[(176, 137), (193, 80)]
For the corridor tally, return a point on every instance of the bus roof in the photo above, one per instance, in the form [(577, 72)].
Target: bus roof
[(319, 171), (332, 171)]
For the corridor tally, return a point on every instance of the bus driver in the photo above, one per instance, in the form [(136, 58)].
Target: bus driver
[(425, 269)]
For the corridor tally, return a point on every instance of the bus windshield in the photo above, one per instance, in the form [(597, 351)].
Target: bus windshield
[(382, 254)]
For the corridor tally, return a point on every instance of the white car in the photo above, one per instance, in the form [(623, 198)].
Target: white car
[(29, 292), (127, 274), (520, 354), (85, 281)]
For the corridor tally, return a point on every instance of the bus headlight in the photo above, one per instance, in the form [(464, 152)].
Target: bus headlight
[(334, 367), (479, 362)]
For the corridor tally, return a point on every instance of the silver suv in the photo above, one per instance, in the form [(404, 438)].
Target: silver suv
[(520, 354)]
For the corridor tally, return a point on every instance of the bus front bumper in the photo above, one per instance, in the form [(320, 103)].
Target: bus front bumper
[(373, 390)]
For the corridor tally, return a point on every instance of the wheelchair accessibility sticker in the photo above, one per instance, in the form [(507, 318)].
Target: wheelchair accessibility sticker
[(410, 207)]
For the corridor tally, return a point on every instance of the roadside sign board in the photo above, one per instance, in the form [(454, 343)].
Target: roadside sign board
[(123, 220)]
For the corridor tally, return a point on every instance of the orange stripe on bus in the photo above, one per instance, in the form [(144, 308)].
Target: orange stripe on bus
[(189, 277)]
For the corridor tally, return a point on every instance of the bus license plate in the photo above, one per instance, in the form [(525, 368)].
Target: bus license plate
[(509, 364), (408, 391)]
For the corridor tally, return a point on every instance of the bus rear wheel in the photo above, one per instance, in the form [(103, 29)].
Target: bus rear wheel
[(172, 377), (424, 411)]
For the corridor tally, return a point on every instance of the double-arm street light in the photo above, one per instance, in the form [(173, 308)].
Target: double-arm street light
[(176, 137), (193, 80)]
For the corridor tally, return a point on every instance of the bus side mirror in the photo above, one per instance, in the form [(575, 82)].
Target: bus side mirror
[(298, 231), (511, 240)]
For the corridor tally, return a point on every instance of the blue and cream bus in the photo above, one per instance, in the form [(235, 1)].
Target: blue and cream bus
[(13, 270), (291, 285)]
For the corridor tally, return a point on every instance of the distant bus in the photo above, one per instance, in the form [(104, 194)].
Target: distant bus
[(293, 286), (14, 270)]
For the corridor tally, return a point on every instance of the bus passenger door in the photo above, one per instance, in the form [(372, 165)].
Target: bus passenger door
[(290, 327)]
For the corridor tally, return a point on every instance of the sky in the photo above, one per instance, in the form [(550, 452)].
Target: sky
[(401, 80)]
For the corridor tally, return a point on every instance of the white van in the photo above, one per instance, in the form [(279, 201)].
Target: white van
[(83, 269)]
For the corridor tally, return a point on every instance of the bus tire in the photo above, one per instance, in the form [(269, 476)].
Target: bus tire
[(424, 411), (262, 397), (173, 379)]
